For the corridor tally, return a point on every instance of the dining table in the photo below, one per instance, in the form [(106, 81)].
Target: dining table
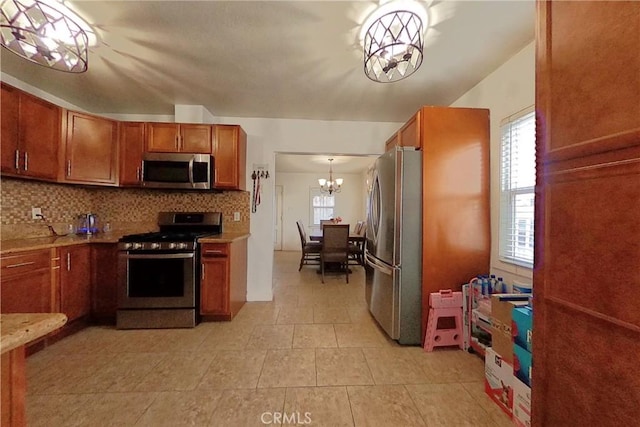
[(316, 236)]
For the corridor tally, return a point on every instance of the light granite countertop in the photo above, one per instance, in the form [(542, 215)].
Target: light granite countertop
[(224, 238), (20, 245), (22, 328)]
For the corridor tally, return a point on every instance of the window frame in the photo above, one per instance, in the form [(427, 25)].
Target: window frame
[(510, 230), (315, 191)]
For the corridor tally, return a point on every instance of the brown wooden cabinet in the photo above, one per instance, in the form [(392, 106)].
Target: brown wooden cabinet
[(30, 135), (26, 284), (75, 281), (223, 286), (586, 334), (132, 140), (230, 156), (90, 152), (178, 138), (104, 281), (456, 232), (409, 135)]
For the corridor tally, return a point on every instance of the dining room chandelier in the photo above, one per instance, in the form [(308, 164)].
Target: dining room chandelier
[(330, 185), (393, 42), (45, 32)]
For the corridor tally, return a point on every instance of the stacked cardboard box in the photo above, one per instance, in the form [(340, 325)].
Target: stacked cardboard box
[(502, 306), (507, 367)]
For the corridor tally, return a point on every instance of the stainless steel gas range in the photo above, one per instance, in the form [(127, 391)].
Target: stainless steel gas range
[(158, 275)]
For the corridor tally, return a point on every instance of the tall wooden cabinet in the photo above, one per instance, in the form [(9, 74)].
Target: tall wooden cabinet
[(30, 136), (90, 152), (456, 231), (586, 335)]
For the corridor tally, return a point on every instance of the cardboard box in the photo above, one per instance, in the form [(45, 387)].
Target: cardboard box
[(498, 380), (501, 309), (521, 404), (522, 363), (521, 326)]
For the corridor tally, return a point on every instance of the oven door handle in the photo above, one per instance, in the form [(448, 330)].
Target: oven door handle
[(159, 256), (193, 159)]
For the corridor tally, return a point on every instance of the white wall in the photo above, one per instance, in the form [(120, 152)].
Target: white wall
[(265, 138), (296, 203), (507, 90)]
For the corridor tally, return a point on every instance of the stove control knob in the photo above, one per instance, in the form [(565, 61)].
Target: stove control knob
[(181, 246), (172, 245), (127, 246), (155, 246), (135, 246)]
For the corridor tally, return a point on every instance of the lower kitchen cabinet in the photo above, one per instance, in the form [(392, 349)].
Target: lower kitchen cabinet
[(26, 282), (104, 280), (223, 285), (75, 281)]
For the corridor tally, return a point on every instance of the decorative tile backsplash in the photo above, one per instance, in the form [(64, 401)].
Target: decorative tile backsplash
[(120, 207)]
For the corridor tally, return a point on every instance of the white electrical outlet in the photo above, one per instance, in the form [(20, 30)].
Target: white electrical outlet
[(35, 212), (236, 216)]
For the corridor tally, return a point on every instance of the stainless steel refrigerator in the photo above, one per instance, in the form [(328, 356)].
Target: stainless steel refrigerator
[(394, 244)]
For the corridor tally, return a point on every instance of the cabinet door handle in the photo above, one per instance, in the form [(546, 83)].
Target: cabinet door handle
[(26, 161), (138, 174), (212, 251), (69, 261), (68, 167), (177, 143), (20, 264), (202, 271), (17, 159)]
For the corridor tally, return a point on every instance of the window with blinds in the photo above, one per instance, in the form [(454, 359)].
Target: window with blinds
[(322, 206), (517, 182)]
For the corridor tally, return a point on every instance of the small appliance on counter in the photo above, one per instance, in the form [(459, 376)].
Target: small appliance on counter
[(87, 224)]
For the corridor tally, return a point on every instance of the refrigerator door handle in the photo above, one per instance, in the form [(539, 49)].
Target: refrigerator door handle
[(374, 263)]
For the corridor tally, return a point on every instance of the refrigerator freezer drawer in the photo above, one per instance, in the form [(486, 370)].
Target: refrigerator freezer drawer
[(382, 296)]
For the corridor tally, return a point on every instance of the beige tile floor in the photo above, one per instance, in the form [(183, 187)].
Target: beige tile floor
[(313, 356)]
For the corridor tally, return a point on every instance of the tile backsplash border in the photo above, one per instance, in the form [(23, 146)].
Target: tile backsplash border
[(120, 207)]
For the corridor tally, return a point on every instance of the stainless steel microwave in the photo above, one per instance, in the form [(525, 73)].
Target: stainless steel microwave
[(177, 170)]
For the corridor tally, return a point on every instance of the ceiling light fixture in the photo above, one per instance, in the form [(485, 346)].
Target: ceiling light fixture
[(45, 32), (393, 42), (330, 186)]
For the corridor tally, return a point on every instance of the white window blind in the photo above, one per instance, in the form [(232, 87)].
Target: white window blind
[(517, 186), (322, 206)]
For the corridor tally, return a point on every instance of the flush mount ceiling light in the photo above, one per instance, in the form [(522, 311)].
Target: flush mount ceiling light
[(393, 42), (45, 32), (330, 186)]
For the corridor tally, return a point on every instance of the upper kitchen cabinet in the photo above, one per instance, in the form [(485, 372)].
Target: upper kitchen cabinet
[(178, 138), (230, 156), (408, 136), (30, 135), (90, 152), (131, 149)]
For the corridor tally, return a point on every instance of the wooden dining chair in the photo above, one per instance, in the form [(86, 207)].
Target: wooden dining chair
[(310, 250), (324, 222), (356, 247), (335, 247)]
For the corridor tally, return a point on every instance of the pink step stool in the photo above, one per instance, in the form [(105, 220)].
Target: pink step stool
[(444, 304)]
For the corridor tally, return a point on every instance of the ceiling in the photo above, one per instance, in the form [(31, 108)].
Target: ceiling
[(319, 163), (274, 59)]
